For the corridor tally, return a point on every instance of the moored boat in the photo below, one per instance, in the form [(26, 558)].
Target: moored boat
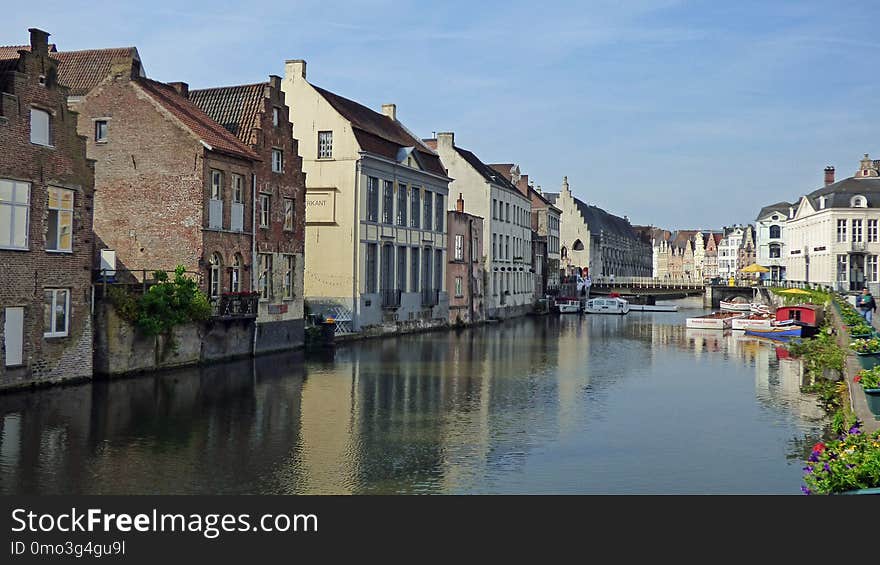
[(606, 306), (736, 305), (753, 322), (714, 321), (653, 308), (778, 333), (568, 305)]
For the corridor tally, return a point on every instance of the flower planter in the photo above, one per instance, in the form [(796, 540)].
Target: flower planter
[(861, 336), (872, 397), (868, 360), (862, 491)]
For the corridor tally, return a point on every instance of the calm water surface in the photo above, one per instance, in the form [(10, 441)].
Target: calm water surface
[(594, 404)]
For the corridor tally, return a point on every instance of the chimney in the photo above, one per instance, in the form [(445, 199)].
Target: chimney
[(390, 110), (181, 87), (275, 82), (459, 204), (829, 175), (39, 41), (295, 69), (445, 139)]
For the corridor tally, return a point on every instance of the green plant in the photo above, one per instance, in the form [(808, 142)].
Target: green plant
[(819, 354), (871, 345), (842, 420), (828, 393), (868, 378), (850, 462), (860, 328)]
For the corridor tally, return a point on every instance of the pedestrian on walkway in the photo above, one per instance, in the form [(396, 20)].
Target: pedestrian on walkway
[(866, 305)]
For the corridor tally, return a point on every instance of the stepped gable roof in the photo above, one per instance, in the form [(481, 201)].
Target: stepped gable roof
[(81, 71), (210, 132), (379, 134), (780, 207), (236, 108), (839, 194)]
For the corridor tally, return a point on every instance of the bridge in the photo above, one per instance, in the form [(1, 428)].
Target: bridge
[(646, 289)]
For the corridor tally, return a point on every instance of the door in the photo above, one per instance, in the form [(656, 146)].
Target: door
[(13, 331), (856, 272)]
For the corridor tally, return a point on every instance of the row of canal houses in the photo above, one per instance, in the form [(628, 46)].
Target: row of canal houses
[(287, 202)]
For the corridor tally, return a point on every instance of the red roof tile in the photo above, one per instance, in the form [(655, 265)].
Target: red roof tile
[(81, 71), (209, 131), (236, 108)]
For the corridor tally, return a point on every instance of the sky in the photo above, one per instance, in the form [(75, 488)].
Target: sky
[(679, 114)]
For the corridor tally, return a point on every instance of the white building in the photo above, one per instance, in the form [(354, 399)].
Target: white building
[(507, 240), (728, 252), (833, 237), (770, 237)]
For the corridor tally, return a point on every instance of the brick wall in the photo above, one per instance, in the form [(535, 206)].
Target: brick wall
[(27, 273)]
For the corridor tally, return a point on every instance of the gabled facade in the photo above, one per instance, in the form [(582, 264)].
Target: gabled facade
[(507, 245), (376, 202), (259, 117), (770, 237), (464, 273), (46, 241), (728, 252), (747, 255)]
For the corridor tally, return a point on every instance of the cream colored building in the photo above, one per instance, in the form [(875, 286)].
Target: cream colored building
[(574, 234), (376, 201), (833, 237), (507, 239)]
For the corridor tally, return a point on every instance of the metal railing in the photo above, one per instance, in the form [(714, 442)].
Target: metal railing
[(390, 298), (858, 246), (239, 305), (430, 297), (650, 282), (133, 280)]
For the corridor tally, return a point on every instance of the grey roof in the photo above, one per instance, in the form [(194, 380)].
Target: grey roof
[(781, 207), (485, 170), (839, 194), (598, 219)]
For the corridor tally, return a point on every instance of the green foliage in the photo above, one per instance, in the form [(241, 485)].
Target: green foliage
[(828, 392), (868, 378), (842, 420), (849, 463), (871, 345), (815, 296), (860, 328), (819, 353), (166, 304)]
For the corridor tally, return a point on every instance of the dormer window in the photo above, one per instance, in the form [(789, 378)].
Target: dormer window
[(821, 202), (858, 202)]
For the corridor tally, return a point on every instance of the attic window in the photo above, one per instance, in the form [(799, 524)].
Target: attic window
[(42, 80), (821, 202), (858, 202)]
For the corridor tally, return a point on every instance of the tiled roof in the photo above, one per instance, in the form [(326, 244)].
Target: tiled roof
[(598, 219), (482, 168), (839, 194), (81, 71), (781, 207), (11, 51), (379, 134), (209, 131), (236, 108)]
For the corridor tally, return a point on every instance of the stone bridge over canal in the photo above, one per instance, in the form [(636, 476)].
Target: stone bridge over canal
[(647, 290)]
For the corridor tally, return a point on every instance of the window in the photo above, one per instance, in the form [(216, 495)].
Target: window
[(388, 202), (265, 209), (277, 161), (386, 272), (858, 202), (401, 269), (458, 287), (507, 247), (101, 131), (265, 280), (237, 189), (370, 275), (59, 229), (459, 247), (494, 209), (872, 268), (857, 231), (414, 270), (288, 214), (325, 145), (415, 203), (401, 205), (235, 275), (40, 127), (214, 280), (56, 312), (841, 231), (507, 212), (872, 231), (494, 254), (429, 204), (426, 269), (439, 211), (775, 232), (289, 263), (475, 244), (216, 184), (775, 251), (14, 211), (372, 199), (841, 268), (276, 116)]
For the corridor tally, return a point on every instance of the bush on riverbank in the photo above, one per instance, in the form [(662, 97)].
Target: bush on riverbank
[(851, 462), (813, 296), (821, 355)]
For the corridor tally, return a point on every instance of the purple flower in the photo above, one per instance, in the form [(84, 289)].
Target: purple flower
[(805, 490), (808, 470), (814, 457), (849, 465), (854, 430), (827, 468)]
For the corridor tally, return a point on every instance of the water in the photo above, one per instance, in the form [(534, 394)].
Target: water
[(594, 404)]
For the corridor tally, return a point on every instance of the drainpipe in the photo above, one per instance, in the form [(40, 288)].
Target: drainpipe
[(357, 247), (254, 251)]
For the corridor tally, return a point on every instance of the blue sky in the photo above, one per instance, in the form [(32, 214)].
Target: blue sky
[(674, 113)]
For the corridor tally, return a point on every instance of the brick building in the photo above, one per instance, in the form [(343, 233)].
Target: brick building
[(46, 242), (172, 185), (258, 116), (464, 273)]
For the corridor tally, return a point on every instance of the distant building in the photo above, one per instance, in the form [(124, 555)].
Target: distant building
[(465, 272), (770, 237), (747, 253), (728, 252), (46, 239)]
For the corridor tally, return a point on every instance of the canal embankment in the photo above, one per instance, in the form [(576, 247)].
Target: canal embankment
[(854, 395)]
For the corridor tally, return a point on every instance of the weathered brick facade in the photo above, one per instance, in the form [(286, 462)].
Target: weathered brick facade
[(29, 82), (465, 273)]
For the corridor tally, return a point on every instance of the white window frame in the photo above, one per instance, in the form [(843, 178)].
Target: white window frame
[(101, 136), (289, 212), (237, 188), (265, 209), (55, 247), (841, 231), (459, 247), (872, 231), (277, 160), (54, 331), (235, 274), (216, 282), (17, 203), (871, 268), (458, 287), (265, 280), (289, 265), (216, 184), (35, 136), (325, 144), (276, 116)]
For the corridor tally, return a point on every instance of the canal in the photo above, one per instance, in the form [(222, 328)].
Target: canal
[(593, 404)]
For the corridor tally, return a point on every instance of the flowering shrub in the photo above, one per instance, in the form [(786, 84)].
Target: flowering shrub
[(850, 462), (861, 328), (868, 378), (871, 345)]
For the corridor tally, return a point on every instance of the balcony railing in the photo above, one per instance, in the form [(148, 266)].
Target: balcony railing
[(430, 297), (241, 305), (390, 298), (858, 246)]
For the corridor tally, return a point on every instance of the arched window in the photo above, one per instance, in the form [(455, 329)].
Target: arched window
[(858, 202), (216, 269), (235, 281), (563, 252), (775, 232), (578, 245)]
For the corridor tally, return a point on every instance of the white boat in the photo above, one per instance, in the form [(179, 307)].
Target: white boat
[(653, 308), (572, 306), (753, 322), (736, 306), (606, 306), (714, 321)]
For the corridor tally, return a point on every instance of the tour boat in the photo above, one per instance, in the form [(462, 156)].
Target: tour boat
[(753, 322), (568, 305), (778, 332), (713, 321), (736, 306), (653, 308), (606, 306)]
